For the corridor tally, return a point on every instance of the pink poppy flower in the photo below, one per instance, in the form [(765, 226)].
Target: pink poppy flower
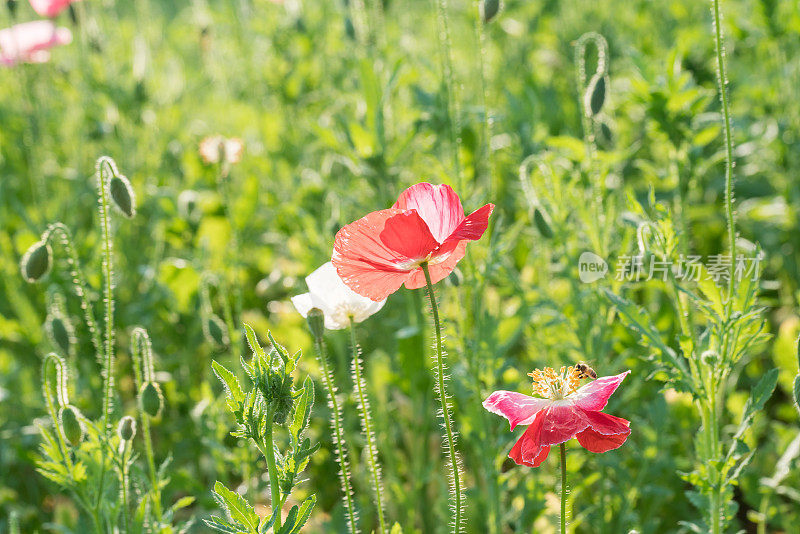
[(50, 8), (29, 42), (562, 411), (380, 252)]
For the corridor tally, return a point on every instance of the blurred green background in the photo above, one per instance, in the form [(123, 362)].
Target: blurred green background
[(336, 123)]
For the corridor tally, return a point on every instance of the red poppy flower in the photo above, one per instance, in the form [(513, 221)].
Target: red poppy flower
[(565, 411), (380, 252)]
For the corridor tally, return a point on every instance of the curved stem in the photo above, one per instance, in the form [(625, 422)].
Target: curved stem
[(563, 449), (274, 484), (78, 282), (722, 82), (441, 391), (338, 434), (143, 372), (366, 427)]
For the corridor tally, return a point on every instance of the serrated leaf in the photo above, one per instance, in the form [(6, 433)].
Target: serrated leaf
[(252, 340), (223, 525), (237, 508), (302, 410), (233, 390), (759, 396), (298, 516)]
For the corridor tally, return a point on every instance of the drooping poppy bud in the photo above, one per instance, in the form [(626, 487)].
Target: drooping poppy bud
[(36, 262), (489, 8), (70, 420), (122, 194), (540, 220), (595, 95), (215, 331), (151, 399), (127, 428), (61, 332)]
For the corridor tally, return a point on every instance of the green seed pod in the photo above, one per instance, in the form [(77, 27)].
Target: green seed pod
[(127, 428), (489, 8), (151, 399), (61, 333), (595, 95), (316, 322), (215, 331), (71, 425), (122, 195), (35, 263), (540, 220)]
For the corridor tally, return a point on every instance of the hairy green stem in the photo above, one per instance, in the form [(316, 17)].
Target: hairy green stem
[(722, 82), (563, 449), (142, 372), (78, 282), (366, 427), (268, 451), (339, 441), (108, 364), (455, 475)]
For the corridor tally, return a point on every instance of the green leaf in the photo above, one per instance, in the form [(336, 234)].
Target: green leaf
[(252, 340), (302, 410), (232, 388), (759, 396), (298, 516), (237, 508), (223, 525)]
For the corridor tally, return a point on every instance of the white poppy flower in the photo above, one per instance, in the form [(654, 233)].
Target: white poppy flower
[(338, 302)]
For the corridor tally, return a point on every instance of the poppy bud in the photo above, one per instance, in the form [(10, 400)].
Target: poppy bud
[(61, 333), (489, 8), (70, 421), (127, 428), (455, 278), (151, 399), (122, 195), (709, 358), (316, 322), (595, 95), (540, 220), (35, 264), (215, 331)]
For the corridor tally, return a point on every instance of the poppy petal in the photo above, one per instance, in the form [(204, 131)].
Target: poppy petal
[(561, 423), (473, 227), (364, 262), (529, 449), (408, 235), (594, 395), (607, 424), (518, 408), (438, 205), (594, 441)]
